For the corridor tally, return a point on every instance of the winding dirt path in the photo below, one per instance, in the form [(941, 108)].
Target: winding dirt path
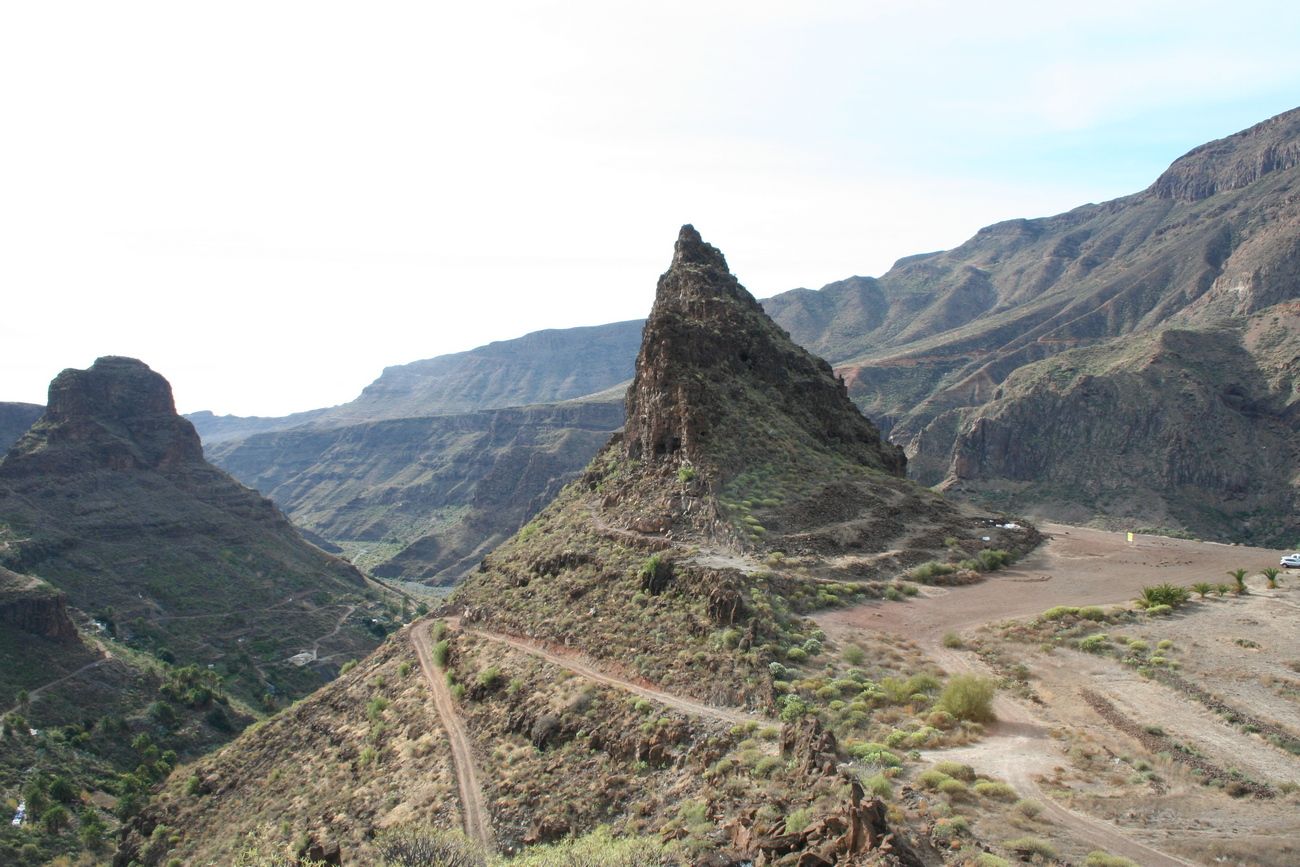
[(583, 668), (31, 695), (315, 648), (1018, 748), (473, 806)]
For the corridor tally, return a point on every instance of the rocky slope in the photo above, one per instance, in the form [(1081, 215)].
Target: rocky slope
[(108, 497), (15, 419), (594, 648)]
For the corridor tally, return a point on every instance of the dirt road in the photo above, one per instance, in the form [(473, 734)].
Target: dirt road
[(580, 667), (473, 806), (1077, 566)]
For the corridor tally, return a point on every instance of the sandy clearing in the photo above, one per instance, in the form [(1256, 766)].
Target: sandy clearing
[(1076, 566)]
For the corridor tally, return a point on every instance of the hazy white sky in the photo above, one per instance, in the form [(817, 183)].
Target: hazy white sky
[(269, 202)]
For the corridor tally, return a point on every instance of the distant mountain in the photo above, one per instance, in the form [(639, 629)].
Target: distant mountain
[(541, 367), (958, 349), (15, 419), (108, 498)]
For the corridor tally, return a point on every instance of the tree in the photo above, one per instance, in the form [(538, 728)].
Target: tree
[(1239, 575), (1270, 575), (1203, 587), (55, 819)]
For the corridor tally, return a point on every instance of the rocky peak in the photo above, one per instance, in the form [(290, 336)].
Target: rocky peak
[(717, 381), (1234, 162), (118, 415)]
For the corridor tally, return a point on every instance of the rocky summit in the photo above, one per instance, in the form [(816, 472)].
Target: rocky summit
[(108, 498)]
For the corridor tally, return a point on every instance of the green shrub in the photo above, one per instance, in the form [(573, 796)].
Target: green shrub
[(348, 666), (994, 790), (1060, 612), (1027, 808), (796, 654), (1092, 612), (440, 651), (797, 820), (1105, 859), (967, 697), (1204, 588), (931, 570), (489, 677), (988, 859), (950, 827), (767, 766), (953, 788), (879, 786), (991, 560), (952, 640), (404, 669), (1094, 643), (437, 630), (874, 754), (931, 779), (1159, 610), (956, 770), (1028, 847), (1164, 594), (854, 655), (685, 473)]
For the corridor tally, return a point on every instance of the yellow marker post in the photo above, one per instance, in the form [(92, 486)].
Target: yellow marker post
[(1130, 537)]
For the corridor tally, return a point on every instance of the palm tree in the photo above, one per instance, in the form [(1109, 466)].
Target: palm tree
[(1270, 574), (1239, 575), (1203, 587)]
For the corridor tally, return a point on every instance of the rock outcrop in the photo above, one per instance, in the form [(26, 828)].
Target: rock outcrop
[(108, 498), (34, 607), (714, 370)]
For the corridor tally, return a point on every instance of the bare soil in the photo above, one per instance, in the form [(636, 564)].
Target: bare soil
[(1102, 788)]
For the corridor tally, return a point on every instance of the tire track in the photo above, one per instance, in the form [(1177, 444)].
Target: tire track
[(474, 811), (581, 668)]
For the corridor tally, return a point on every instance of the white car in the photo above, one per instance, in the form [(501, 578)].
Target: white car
[(1291, 561)]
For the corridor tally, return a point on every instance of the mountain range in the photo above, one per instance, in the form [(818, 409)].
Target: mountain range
[(1125, 364)]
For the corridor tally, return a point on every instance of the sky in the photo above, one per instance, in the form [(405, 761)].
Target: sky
[(270, 202)]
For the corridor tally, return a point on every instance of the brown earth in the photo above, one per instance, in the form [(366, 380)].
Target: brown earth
[(1051, 743)]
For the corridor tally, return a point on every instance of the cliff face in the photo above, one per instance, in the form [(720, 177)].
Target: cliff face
[(34, 607), (109, 498)]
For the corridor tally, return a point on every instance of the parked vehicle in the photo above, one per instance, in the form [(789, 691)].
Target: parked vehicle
[(1291, 561)]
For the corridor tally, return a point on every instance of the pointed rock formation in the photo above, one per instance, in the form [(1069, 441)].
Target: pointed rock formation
[(718, 382), (108, 497)]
